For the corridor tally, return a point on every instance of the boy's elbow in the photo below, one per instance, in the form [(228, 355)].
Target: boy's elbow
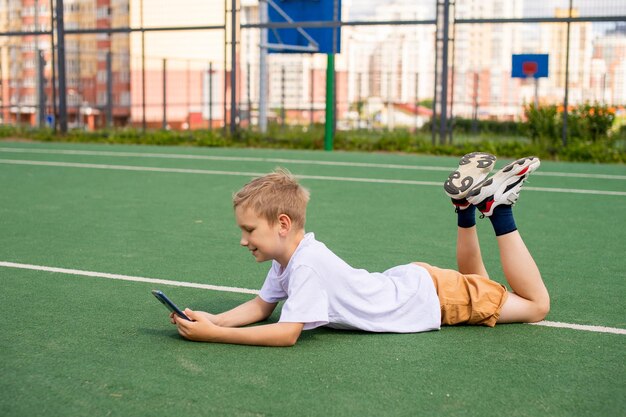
[(290, 342), (290, 338), (285, 341)]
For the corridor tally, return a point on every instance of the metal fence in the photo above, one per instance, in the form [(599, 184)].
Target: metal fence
[(188, 65)]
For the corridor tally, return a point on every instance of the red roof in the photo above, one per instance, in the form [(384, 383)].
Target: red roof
[(413, 109)]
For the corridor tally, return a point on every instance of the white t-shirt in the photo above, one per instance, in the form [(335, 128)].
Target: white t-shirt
[(323, 290)]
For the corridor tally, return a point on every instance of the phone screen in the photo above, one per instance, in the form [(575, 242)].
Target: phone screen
[(169, 304)]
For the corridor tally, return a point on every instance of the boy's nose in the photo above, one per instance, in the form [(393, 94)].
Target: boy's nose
[(243, 241)]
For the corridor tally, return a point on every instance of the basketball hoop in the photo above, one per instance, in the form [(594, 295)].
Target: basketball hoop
[(529, 68), (533, 66)]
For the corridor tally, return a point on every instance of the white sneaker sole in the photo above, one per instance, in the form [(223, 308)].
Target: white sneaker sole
[(473, 169), (504, 186)]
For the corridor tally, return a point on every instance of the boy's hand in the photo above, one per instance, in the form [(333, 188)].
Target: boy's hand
[(201, 329), (211, 317), (204, 329)]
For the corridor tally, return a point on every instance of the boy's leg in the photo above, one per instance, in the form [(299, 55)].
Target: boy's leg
[(468, 256), (472, 171), (530, 301)]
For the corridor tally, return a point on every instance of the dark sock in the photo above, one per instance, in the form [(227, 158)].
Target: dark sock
[(467, 217), (502, 220)]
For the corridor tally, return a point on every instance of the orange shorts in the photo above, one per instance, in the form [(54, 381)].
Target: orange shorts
[(467, 299)]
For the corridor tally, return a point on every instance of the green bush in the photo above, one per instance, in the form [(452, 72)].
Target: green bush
[(7, 131), (543, 129), (592, 122), (468, 126), (585, 122), (542, 125)]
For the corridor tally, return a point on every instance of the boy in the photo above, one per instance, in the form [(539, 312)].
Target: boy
[(320, 289)]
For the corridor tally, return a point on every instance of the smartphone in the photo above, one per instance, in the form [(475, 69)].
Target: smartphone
[(169, 304)]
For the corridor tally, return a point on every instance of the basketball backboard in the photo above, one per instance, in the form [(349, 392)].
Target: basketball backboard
[(304, 40)]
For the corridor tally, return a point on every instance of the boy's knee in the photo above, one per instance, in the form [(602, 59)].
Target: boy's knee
[(541, 310)]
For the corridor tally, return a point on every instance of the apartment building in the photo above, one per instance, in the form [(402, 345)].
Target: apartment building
[(608, 74), (23, 59), (186, 73), (27, 74), (482, 60), (554, 42)]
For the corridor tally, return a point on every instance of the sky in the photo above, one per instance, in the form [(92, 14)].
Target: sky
[(361, 9), (364, 9)]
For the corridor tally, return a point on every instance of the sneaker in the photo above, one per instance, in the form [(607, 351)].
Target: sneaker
[(473, 169), (504, 186)]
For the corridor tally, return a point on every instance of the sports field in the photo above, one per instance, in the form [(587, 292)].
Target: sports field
[(86, 231)]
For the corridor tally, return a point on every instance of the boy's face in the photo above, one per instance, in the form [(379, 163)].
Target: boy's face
[(258, 236)]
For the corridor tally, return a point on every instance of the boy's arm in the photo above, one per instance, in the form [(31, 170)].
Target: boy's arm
[(249, 312), (203, 330)]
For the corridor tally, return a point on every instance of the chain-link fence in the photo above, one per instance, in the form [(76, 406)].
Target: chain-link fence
[(158, 64)]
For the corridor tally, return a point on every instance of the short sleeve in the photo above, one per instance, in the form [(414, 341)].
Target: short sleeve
[(272, 291), (307, 300)]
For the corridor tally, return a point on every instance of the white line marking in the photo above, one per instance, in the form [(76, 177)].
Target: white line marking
[(282, 161), (573, 190), (127, 278), (256, 174), (127, 167), (598, 329)]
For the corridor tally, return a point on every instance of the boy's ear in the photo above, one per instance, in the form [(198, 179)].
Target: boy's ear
[(284, 222)]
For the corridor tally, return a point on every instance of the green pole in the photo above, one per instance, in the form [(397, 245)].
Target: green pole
[(330, 103)]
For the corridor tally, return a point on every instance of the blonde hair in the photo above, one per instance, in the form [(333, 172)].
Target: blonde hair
[(274, 194)]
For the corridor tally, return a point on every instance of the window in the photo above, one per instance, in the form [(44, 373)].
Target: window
[(71, 8), (103, 12), (29, 99), (102, 98), (73, 99), (28, 46), (123, 77), (124, 99)]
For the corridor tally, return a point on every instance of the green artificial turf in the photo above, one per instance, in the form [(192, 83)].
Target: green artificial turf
[(75, 345)]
